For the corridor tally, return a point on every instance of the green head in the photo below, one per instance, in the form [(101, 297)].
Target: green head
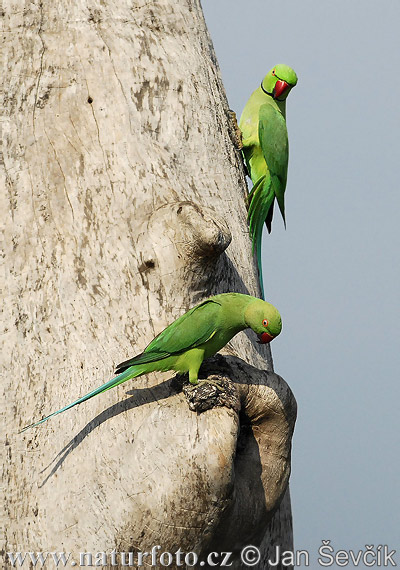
[(279, 81), (264, 319)]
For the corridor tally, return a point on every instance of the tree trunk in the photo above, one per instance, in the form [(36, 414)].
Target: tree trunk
[(123, 191)]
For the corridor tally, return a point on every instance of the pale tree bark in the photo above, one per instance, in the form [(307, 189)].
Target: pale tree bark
[(123, 201)]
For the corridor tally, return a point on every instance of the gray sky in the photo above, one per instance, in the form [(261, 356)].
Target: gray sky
[(334, 273)]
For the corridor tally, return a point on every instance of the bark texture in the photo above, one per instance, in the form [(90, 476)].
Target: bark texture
[(123, 201)]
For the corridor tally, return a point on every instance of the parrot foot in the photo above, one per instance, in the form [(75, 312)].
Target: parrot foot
[(202, 382), (208, 393), (236, 132)]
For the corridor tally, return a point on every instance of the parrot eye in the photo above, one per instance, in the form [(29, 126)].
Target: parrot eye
[(273, 72), (265, 323)]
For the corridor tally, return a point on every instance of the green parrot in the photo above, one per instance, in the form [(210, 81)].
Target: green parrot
[(266, 150), (196, 335)]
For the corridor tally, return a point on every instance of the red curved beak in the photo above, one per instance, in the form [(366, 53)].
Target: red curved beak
[(280, 88), (265, 338)]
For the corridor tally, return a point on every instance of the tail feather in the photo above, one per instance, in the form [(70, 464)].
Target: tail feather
[(254, 189), (132, 372), (264, 210), (261, 206), (260, 273), (255, 221), (261, 199)]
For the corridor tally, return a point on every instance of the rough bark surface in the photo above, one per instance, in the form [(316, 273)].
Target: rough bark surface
[(123, 201)]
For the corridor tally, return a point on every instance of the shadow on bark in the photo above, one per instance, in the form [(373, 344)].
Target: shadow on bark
[(265, 412), (220, 367)]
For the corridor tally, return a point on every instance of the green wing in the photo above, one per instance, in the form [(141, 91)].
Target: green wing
[(191, 329), (273, 137)]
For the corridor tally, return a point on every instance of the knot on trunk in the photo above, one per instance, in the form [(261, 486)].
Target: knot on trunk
[(182, 243), (232, 457), (267, 412)]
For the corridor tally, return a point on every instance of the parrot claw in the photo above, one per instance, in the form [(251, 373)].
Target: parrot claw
[(202, 382), (211, 393), (236, 132)]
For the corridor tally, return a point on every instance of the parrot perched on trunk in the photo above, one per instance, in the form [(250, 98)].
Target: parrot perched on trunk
[(196, 335), (266, 150)]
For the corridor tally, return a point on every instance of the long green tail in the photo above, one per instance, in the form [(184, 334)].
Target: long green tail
[(131, 372), (261, 203)]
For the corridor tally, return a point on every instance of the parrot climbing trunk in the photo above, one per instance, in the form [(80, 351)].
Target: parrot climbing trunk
[(266, 150)]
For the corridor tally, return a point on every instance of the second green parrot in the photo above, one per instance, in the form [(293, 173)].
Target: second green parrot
[(266, 150), (196, 335)]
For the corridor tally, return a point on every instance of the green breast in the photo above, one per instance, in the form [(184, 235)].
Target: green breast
[(249, 125)]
